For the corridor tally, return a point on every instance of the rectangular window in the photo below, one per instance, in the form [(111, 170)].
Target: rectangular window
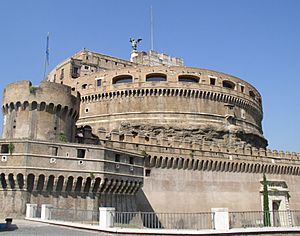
[(131, 160), (75, 70), (117, 158), (80, 153), (212, 81), (99, 81), (62, 73), (54, 151), (4, 148), (242, 88), (147, 172)]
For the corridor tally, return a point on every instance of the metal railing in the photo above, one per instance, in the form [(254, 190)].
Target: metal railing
[(164, 220), (75, 215), (258, 219), (37, 212)]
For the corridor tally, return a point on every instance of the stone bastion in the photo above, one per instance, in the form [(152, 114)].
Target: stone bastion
[(172, 102), (46, 112)]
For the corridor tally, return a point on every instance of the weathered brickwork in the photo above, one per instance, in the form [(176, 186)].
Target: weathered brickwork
[(164, 138)]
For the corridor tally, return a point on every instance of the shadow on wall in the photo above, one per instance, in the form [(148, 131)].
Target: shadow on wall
[(142, 202)]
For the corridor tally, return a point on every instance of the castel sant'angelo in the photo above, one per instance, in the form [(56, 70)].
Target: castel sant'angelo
[(145, 134)]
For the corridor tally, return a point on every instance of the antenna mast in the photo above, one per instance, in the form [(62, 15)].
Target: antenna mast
[(46, 57), (151, 24)]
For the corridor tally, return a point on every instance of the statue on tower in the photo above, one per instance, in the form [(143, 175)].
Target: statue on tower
[(134, 43)]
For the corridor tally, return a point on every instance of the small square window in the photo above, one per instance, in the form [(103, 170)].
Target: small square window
[(4, 148), (99, 81), (80, 153), (147, 172)]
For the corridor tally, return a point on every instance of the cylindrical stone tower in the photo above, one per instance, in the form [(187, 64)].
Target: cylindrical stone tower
[(177, 103), (47, 112)]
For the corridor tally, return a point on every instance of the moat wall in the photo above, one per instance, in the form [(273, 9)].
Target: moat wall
[(170, 190), (13, 202)]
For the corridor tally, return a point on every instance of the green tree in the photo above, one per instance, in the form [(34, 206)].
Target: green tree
[(267, 220)]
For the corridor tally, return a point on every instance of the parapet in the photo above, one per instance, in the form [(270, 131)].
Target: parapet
[(46, 112), (180, 146)]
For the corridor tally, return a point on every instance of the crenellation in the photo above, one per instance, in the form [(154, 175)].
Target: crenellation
[(151, 131)]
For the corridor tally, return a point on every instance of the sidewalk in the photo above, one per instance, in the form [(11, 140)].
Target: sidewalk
[(146, 231)]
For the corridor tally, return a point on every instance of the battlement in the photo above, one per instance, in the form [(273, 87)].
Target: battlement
[(153, 58), (46, 112), (188, 148)]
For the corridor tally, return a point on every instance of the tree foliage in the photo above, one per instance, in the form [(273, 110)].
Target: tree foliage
[(267, 220)]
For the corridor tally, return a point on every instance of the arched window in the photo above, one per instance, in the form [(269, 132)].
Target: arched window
[(156, 77), (188, 78), (228, 84), (122, 79)]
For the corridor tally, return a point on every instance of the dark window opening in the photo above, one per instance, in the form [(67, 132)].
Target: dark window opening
[(84, 86), (147, 139), (156, 77), (99, 81), (80, 153), (75, 72), (242, 88), (188, 79), (117, 157), (54, 151), (5, 148), (259, 100), (228, 84), (86, 110), (212, 81), (121, 137), (147, 172), (86, 67), (131, 160), (122, 79), (62, 73), (252, 94)]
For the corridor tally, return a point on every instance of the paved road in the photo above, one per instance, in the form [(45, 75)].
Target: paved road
[(35, 228)]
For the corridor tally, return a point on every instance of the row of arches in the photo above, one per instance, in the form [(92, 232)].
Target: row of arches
[(69, 184), (34, 105), (217, 165), (185, 78), (192, 93)]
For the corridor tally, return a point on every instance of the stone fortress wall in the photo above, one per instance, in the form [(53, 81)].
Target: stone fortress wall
[(199, 130), (43, 112), (41, 163), (209, 175), (161, 138), (171, 101)]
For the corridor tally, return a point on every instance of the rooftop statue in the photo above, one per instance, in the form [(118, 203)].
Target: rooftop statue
[(134, 43)]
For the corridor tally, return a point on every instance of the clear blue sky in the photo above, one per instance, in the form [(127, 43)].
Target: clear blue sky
[(256, 40)]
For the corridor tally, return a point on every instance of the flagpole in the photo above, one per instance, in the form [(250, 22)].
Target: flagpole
[(46, 57)]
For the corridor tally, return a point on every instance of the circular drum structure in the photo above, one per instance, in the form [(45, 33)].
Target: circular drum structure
[(172, 102), (47, 112)]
